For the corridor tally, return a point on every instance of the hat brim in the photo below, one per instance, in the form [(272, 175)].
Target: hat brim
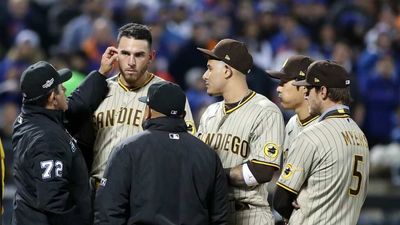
[(278, 75), (65, 74), (208, 53), (301, 83), (143, 99)]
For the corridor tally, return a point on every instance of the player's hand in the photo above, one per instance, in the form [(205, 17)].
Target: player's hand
[(295, 205), (107, 60)]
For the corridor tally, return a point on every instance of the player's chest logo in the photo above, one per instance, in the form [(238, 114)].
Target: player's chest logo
[(118, 116), (226, 142)]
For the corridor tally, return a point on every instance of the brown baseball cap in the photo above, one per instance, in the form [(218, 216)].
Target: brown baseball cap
[(325, 73), (294, 68), (232, 52)]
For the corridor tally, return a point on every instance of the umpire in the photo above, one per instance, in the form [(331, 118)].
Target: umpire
[(162, 175), (49, 170)]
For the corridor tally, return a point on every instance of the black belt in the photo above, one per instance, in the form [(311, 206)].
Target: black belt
[(239, 206)]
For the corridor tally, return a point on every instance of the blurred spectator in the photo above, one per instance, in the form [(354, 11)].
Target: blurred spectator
[(300, 43), (59, 15), (100, 38), (20, 15), (369, 57), (327, 39), (80, 28), (381, 99), (188, 56), (24, 52), (343, 55), (260, 49), (196, 93)]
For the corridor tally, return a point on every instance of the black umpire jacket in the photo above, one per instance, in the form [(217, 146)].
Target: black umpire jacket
[(162, 176), (49, 169)]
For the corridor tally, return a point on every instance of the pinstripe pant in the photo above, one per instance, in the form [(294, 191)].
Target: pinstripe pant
[(252, 216)]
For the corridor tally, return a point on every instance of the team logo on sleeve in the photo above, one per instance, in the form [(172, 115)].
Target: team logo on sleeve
[(72, 145), (287, 171), (190, 127), (271, 150)]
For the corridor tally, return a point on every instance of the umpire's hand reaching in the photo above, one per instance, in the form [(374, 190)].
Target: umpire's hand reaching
[(107, 60)]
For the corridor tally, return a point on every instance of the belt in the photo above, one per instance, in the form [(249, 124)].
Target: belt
[(240, 206)]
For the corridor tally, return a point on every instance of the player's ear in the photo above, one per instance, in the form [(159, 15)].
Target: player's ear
[(324, 92), (152, 55), (228, 71)]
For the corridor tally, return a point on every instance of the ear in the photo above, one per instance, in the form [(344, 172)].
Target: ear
[(324, 92), (228, 72), (152, 55)]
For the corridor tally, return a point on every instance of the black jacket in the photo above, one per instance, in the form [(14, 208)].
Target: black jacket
[(162, 175), (49, 169)]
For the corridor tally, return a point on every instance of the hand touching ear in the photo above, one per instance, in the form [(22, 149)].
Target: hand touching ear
[(108, 59)]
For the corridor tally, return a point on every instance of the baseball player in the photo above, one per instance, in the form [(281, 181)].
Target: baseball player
[(292, 97), (327, 167), (120, 115), (245, 129)]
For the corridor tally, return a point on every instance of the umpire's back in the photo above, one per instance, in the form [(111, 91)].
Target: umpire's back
[(163, 175)]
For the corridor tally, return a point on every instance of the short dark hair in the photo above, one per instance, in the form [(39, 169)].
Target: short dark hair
[(42, 100), (137, 31), (340, 95)]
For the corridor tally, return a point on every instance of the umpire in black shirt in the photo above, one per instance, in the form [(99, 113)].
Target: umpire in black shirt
[(162, 175), (49, 169)]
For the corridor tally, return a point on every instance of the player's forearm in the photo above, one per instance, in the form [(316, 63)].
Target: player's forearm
[(235, 177)]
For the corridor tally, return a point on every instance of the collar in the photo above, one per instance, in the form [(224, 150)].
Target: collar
[(166, 124), (336, 111), (54, 115), (307, 120), (126, 88), (228, 108)]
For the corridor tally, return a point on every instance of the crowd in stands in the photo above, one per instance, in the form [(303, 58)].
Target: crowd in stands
[(361, 35)]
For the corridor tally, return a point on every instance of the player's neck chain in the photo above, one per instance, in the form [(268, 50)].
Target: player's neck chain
[(336, 113), (229, 106)]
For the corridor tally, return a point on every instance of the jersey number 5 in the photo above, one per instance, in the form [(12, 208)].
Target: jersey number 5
[(356, 174), (48, 166)]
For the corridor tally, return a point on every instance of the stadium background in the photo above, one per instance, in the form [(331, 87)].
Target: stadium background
[(361, 35)]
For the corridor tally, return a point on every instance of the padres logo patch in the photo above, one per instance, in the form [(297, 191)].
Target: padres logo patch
[(271, 150), (288, 171), (190, 127)]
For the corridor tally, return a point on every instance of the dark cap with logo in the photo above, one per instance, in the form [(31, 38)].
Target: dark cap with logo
[(294, 68), (40, 78), (166, 98), (325, 73), (232, 52)]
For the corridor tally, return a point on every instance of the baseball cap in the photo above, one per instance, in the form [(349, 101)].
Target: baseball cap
[(38, 79), (294, 68), (166, 98), (232, 52), (325, 73)]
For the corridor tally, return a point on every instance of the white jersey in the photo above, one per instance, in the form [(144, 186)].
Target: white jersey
[(254, 131), (328, 168), (293, 127), (119, 116)]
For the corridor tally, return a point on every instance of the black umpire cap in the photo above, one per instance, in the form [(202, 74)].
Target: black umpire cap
[(40, 78), (167, 98)]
